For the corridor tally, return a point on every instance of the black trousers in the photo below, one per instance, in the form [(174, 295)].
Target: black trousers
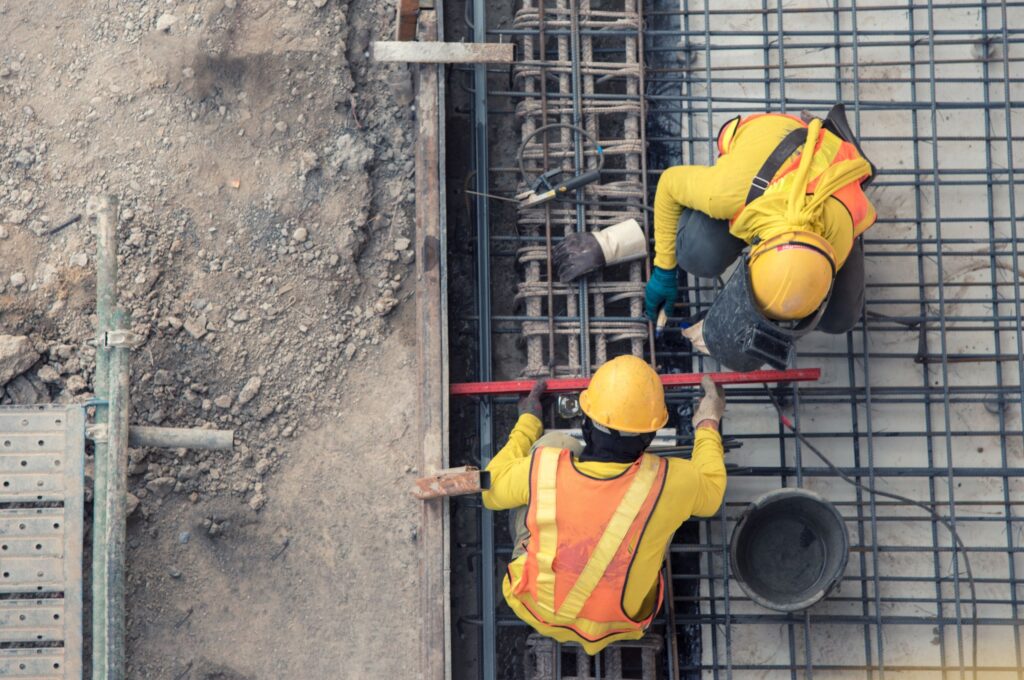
[(704, 247)]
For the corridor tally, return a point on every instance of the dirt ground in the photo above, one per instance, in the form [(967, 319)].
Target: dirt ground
[(264, 170)]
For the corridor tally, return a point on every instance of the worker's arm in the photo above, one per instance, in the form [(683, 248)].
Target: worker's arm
[(687, 186), (709, 463), (510, 469)]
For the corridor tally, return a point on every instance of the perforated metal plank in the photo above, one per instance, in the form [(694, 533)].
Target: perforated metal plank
[(41, 530)]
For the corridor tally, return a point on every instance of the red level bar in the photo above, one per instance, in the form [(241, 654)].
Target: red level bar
[(669, 381)]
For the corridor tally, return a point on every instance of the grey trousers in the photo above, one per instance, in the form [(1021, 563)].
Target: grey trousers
[(517, 516), (704, 247)]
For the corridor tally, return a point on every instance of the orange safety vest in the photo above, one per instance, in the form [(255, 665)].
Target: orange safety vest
[(584, 533), (830, 149)]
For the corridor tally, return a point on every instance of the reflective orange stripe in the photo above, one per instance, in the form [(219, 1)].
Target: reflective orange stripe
[(582, 539)]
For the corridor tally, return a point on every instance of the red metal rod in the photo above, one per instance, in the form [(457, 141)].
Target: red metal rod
[(669, 381)]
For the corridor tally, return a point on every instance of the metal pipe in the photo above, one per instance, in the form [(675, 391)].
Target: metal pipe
[(109, 527), (102, 214), (180, 438)]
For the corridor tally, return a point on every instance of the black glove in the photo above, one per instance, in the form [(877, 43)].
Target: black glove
[(531, 402), (579, 253)]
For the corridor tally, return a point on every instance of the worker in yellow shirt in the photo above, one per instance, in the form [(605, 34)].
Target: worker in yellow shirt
[(593, 518), (789, 189)]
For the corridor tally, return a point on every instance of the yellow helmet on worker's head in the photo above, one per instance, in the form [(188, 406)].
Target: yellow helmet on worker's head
[(791, 273), (626, 395)]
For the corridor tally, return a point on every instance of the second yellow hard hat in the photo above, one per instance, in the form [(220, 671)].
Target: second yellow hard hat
[(791, 273)]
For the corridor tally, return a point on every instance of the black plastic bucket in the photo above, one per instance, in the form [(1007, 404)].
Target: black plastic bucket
[(789, 549)]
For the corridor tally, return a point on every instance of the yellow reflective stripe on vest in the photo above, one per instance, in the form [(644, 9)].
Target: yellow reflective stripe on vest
[(606, 548), (548, 539)]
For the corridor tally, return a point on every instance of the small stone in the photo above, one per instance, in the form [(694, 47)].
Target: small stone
[(350, 351), (80, 260), (281, 126), (76, 384), (4, 233), (319, 4), (230, 4), (163, 377), (300, 235), (262, 466), (223, 401), (24, 158), (196, 327), (48, 374), (165, 21), (16, 356), (18, 279), (132, 503), (250, 390), (17, 216), (174, 573), (402, 244), (127, 215), (183, 537), (257, 501), (161, 486), (240, 316)]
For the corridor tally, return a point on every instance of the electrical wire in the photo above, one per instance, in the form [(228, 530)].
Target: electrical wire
[(927, 507)]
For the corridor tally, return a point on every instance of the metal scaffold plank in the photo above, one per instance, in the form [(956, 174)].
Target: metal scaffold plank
[(41, 532)]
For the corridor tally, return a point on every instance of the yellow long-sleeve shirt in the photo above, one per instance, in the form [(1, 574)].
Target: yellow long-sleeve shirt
[(692, 487), (721, 190)]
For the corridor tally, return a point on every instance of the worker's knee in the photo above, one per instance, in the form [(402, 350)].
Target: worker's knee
[(704, 246)]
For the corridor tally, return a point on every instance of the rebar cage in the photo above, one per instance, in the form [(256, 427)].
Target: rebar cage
[(923, 398)]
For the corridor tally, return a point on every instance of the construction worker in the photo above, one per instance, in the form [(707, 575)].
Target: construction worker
[(792, 190), (593, 518)]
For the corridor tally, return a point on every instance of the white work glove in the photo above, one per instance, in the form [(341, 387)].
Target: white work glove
[(695, 334), (583, 252), (712, 404)]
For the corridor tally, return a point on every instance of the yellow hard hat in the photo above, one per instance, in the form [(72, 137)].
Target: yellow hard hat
[(626, 395), (791, 274)]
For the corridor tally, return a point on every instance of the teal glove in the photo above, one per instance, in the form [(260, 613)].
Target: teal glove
[(661, 291)]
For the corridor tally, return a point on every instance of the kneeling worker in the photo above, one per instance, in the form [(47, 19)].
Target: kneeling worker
[(593, 518), (790, 190)]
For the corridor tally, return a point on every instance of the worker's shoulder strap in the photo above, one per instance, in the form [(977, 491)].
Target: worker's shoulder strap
[(790, 143), (611, 540)]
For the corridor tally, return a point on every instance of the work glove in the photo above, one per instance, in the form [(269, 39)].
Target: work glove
[(583, 252), (712, 404), (661, 291), (531, 402), (695, 334)]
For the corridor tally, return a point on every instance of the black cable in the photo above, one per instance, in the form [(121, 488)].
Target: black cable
[(929, 508)]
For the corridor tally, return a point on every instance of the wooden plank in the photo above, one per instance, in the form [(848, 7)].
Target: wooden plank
[(441, 52), (408, 11), (432, 361), (457, 481)]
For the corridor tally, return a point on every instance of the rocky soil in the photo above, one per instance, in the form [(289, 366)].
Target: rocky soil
[(264, 170)]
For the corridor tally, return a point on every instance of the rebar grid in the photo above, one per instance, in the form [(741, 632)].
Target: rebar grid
[(923, 398), (574, 52)]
